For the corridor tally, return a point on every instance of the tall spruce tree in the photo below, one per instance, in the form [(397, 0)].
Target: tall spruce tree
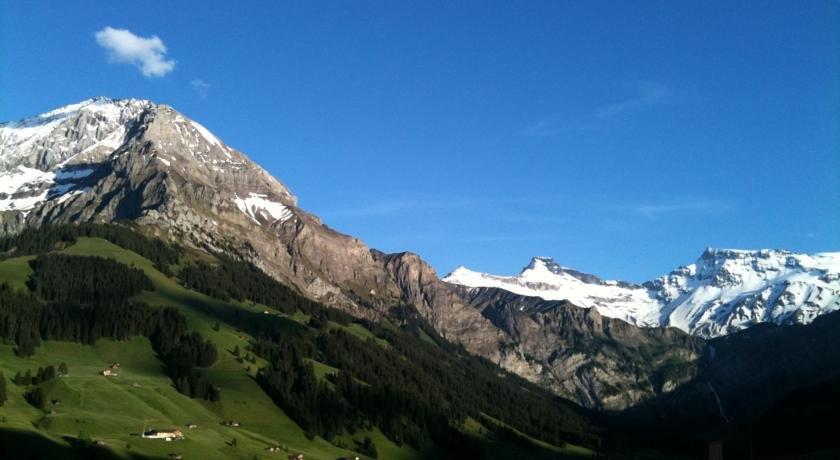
[(3, 396)]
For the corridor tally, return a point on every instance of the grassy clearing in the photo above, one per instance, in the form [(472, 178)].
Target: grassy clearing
[(322, 370), (16, 271), (385, 448), (361, 332), (425, 337)]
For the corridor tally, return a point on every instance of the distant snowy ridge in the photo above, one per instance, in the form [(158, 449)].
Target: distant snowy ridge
[(724, 291)]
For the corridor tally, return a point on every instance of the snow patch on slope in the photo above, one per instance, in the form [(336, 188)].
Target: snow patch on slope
[(22, 188), (258, 205), (210, 138)]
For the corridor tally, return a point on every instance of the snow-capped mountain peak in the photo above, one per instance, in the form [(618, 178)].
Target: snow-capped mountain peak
[(724, 290), (543, 277), (56, 137), (545, 269), (47, 158)]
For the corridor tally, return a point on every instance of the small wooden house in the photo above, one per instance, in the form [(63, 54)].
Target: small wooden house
[(166, 435)]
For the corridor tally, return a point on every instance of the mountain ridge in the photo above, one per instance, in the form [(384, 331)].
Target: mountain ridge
[(724, 290)]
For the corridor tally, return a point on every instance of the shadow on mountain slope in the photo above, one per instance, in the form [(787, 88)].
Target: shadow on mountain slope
[(765, 392), (18, 444)]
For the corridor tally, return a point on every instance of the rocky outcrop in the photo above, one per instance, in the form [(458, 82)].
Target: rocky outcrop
[(598, 361), (441, 305)]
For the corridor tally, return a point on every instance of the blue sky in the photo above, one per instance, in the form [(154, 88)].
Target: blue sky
[(622, 138)]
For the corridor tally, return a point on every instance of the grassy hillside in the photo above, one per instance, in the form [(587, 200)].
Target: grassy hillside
[(16, 271), (113, 411)]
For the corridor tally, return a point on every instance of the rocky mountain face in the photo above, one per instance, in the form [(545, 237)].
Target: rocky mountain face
[(601, 362), (105, 160), (722, 292)]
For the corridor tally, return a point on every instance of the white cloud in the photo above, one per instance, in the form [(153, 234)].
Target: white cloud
[(690, 205), (148, 54), (646, 94), (201, 87)]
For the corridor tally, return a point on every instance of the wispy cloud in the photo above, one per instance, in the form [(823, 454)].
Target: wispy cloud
[(396, 207), (506, 208), (146, 53), (200, 87), (554, 125), (499, 238), (648, 93), (542, 127), (655, 211), (645, 94)]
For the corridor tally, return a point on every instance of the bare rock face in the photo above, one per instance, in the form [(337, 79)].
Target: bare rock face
[(441, 305), (598, 361), (104, 160)]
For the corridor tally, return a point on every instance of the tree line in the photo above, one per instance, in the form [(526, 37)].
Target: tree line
[(44, 374), (231, 279), (47, 238), (75, 279), (26, 322), (416, 393), (82, 299)]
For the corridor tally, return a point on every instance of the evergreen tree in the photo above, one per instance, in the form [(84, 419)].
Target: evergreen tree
[(369, 448), (36, 397), (3, 396), (26, 346)]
